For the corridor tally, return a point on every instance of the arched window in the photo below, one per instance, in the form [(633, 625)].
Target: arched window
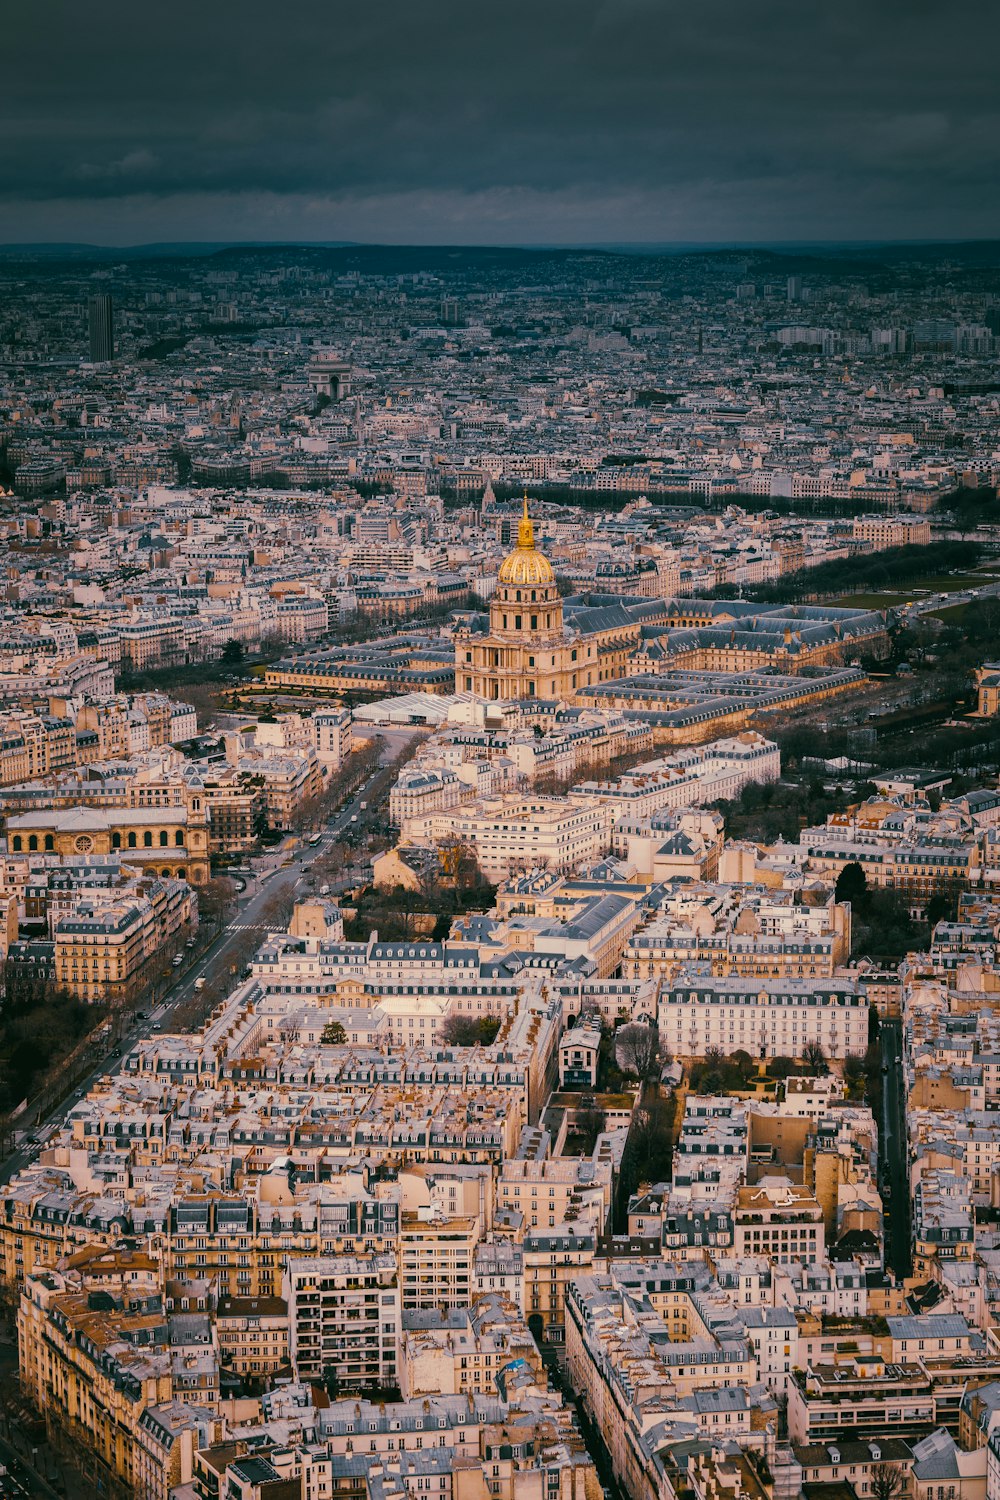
[(147, 840), (50, 843), (116, 841), (131, 840), (17, 843), (165, 874), (164, 838), (33, 841), (179, 838)]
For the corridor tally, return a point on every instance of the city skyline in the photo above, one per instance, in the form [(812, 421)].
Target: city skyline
[(499, 873)]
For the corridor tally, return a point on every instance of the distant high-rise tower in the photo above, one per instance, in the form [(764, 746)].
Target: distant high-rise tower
[(795, 288), (100, 314)]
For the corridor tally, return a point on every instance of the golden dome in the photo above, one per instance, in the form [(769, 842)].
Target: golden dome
[(526, 567)]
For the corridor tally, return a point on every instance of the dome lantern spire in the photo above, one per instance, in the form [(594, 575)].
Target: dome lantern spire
[(525, 530), (526, 567)]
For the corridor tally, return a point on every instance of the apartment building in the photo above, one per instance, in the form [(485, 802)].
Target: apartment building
[(578, 1053), (635, 1346), (466, 1350), (736, 931), (779, 1219), (33, 745), (253, 1335), (499, 1269), (988, 690), (900, 847), (158, 642), (332, 736), (106, 940), (437, 1258), (343, 1319), (302, 617), (714, 1141), (781, 1019), (943, 1218), (554, 1258), (421, 790), (883, 532), (235, 1242), (510, 834), (866, 1397), (237, 808), (169, 1437), (699, 774), (553, 1190), (95, 1372)]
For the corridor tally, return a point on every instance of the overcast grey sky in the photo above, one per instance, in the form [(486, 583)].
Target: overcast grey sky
[(524, 121)]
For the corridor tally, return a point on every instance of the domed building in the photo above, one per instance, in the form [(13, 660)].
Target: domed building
[(529, 650)]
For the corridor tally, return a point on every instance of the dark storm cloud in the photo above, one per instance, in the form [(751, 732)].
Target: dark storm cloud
[(607, 119)]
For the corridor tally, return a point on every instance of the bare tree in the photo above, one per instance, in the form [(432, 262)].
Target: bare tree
[(815, 1059), (636, 1048), (588, 1121), (458, 862), (886, 1481), (217, 900)]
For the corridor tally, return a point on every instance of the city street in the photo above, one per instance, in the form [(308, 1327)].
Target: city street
[(892, 1150), (273, 876)]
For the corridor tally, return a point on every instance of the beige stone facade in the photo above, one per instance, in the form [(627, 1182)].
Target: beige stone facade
[(528, 651)]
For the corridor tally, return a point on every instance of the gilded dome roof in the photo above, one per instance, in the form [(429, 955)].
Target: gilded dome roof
[(526, 567)]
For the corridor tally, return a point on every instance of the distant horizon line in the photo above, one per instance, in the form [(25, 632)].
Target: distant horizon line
[(295, 242)]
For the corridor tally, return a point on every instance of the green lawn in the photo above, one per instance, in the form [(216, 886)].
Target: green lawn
[(950, 614), (945, 584), (917, 592), (871, 601)]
